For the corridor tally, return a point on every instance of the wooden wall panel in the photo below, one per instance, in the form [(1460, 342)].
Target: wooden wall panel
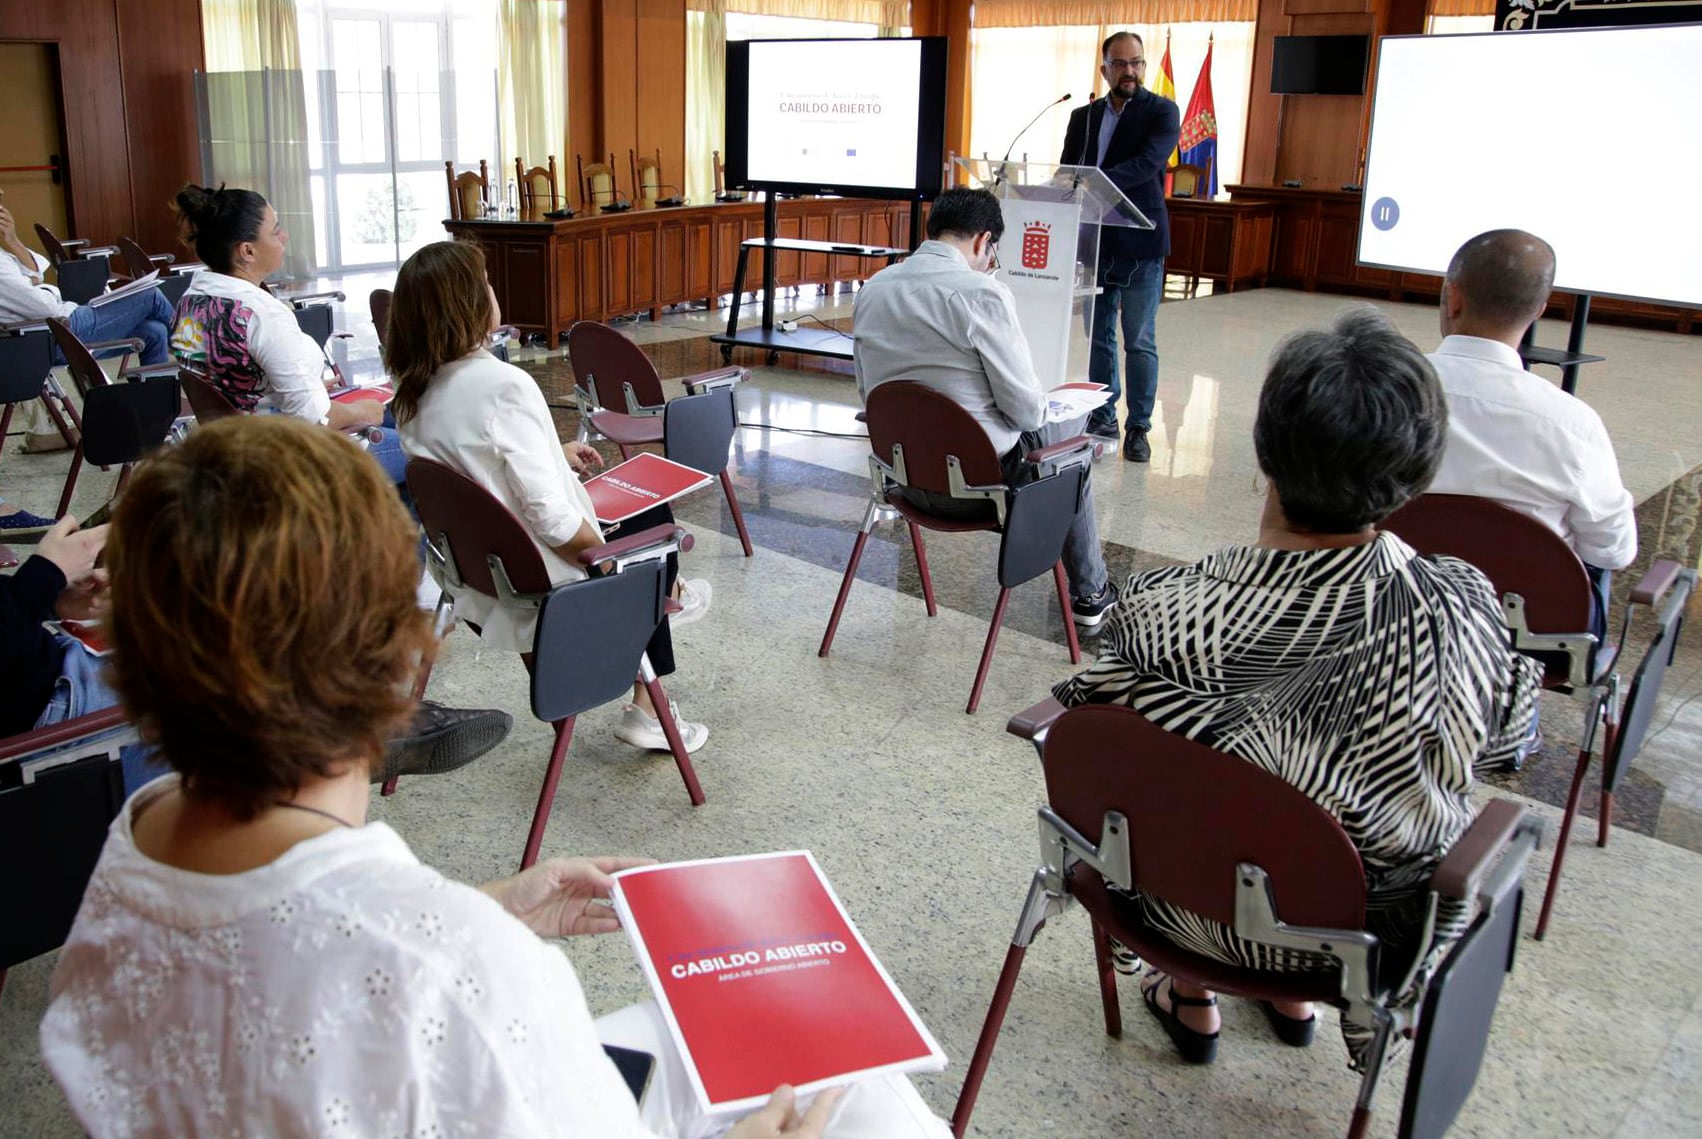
[(658, 94), (160, 48)]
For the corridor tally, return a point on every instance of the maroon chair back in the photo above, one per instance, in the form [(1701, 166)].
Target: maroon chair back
[(379, 304), (477, 526), (206, 399), (1516, 552), (79, 361), (1194, 813), (930, 426), (603, 360), (137, 263), (51, 245)]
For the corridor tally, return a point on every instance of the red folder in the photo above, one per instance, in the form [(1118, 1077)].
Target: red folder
[(764, 980), (383, 393), (643, 481)]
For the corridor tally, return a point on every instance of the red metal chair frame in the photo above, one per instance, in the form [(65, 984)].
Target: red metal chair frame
[(610, 372)]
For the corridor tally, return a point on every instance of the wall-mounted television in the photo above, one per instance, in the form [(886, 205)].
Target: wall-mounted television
[(859, 118), (1319, 65)]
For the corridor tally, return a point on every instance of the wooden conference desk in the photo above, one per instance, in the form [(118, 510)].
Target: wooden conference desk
[(548, 274)]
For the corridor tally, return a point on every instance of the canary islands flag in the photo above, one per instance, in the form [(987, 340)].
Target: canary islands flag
[(1165, 85), (1199, 128)]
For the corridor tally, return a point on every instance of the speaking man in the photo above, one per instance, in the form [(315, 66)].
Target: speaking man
[(1129, 134), (1513, 436), (940, 319)]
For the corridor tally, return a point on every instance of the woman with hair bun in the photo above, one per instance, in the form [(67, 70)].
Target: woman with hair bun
[(246, 339)]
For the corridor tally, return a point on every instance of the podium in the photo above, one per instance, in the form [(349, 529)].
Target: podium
[(1049, 256)]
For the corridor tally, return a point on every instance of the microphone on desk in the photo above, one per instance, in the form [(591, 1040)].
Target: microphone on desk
[(1000, 176)]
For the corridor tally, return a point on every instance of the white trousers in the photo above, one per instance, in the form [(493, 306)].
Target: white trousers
[(880, 1107)]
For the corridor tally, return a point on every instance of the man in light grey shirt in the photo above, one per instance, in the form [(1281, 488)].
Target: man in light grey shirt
[(939, 319)]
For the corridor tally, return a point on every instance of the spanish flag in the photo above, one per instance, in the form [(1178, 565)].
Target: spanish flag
[(1165, 84)]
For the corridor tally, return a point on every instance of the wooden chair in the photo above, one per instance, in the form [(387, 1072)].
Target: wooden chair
[(1190, 181), (71, 248), (1546, 601), (468, 192), (591, 635), (597, 189), (922, 440), (121, 422), (1131, 806), (538, 189), (60, 788), (611, 372), (721, 193)]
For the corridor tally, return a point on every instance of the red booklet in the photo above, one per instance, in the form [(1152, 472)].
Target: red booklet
[(764, 980), (643, 481), (90, 634), (383, 393)]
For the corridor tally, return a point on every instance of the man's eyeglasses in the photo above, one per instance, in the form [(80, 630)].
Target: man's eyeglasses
[(1125, 64)]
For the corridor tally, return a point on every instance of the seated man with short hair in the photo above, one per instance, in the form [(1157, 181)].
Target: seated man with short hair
[(1512, 435), (25, 296), (939, 319)]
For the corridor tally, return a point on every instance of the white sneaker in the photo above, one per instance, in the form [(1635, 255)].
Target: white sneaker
[(640, 729), (695, 596)]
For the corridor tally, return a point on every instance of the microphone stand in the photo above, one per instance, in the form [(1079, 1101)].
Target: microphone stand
[(1004, 163)]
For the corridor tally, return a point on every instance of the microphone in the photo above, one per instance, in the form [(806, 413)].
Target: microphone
[(1000, 177)]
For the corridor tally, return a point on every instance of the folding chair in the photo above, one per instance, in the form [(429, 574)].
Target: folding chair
[(1131, 806), (82, 280), (26, 370), (923, 441), (174, 278), (121, 422), (612, 372), (591, 635), (60, 789), (60, 250), (1546, 597)]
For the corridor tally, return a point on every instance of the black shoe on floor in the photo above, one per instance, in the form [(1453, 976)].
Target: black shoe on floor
[(443, 739), (1292, 1032), (1089, 613), (1136, 449), (1102, 423)]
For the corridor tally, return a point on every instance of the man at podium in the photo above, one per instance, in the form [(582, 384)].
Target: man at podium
[(1129, 134)]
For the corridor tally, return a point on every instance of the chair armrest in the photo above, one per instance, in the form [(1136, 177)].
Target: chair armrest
[(149, 371), (655, 541), (70, 244), (709, 381), (1032, 723), (1474, 853), (132, 343), (1069, 452), (187, 268), (93, 251), (297, 300), (18, 328), (161, 260), (1654, 584), (62, 733)]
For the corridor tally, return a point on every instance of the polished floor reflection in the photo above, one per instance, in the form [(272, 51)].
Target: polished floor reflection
[(923, 816)]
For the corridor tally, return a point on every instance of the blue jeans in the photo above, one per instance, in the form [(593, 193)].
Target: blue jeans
[(388, 451), (146, 315), (1134, 292), (81, 689)]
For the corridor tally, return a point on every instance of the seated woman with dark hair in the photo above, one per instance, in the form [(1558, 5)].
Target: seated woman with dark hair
[(246, 339), (461, 406), (1372, 679), (252, 956)]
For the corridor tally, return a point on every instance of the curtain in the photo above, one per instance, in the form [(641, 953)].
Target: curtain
[(1113, 14), (891, 13), (531, 83), (706, 94), (254, 113)]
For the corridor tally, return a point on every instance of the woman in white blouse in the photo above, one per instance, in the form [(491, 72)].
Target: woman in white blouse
[(246, 339), (252, 956), (459, 405)]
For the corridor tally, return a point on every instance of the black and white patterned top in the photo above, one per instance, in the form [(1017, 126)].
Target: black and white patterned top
[(1371, 678)]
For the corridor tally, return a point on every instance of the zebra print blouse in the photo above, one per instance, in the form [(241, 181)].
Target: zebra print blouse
[(1370, 678)]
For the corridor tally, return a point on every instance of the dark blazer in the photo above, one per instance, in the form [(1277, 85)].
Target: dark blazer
[(1147, 131)]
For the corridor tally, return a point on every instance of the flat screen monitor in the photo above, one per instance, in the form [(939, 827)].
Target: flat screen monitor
[(1477, 132), (1319, 65), (860, 118)]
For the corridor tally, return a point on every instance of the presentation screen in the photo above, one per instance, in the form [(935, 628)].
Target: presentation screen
[(1587, 138), (861, 118)]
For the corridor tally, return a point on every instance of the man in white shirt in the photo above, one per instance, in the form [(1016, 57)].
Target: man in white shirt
[(940, 319), (25, 296), (1513, 436)]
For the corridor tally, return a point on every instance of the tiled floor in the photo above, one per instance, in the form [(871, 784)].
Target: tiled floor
[(922, 816)]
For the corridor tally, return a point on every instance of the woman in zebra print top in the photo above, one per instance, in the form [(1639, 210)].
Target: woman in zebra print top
[(1327, 653)]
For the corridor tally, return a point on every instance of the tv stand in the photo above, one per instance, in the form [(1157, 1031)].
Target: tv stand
[(818, 341), (1573, 357)]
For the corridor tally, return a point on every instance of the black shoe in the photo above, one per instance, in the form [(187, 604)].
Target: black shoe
[(1136, 449), (1089, 613), (1102, 423), (1294, 1033), (443, 739)]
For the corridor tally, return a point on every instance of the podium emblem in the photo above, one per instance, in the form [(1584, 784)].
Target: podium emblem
[(1036, 245)]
